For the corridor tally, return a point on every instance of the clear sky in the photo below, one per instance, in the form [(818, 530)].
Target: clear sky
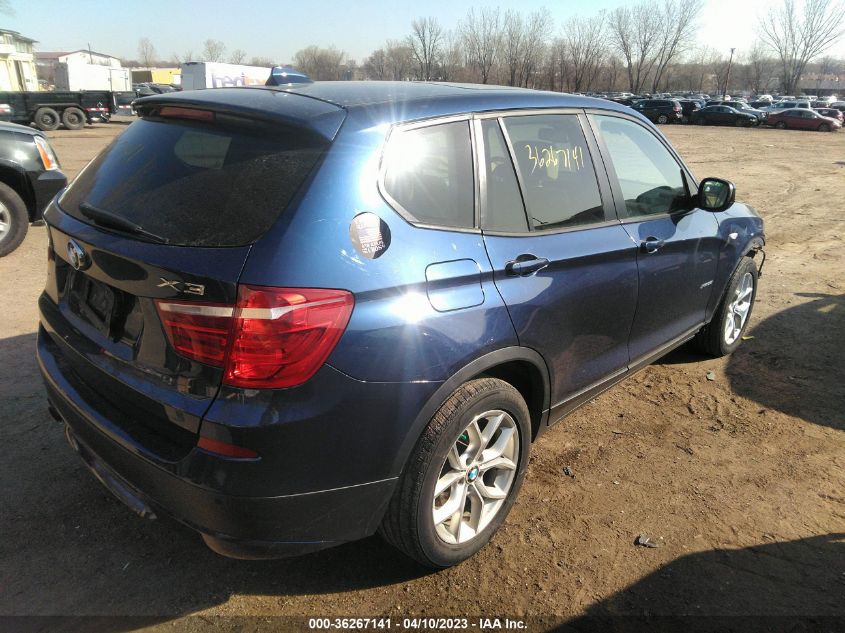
[(277, 29)]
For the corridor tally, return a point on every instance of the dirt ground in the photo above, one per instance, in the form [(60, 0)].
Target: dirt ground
[(740, 480)]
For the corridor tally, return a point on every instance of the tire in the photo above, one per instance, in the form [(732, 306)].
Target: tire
[(715, 338), (662, 118), (780, 125), (14, 220), (73, 118), (46, 119), (824, 127), (440, 455)]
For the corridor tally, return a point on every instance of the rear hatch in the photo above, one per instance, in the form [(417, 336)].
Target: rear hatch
[(157, 229)]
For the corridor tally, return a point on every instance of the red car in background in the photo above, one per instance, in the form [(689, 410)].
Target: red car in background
[(833, 113), (801, 119)]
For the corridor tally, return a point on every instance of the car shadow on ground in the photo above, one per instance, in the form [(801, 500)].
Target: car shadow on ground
[(793, 361), (775, 586), (796, 361), (71, 549)]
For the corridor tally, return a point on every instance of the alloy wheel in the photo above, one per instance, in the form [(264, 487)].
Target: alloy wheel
[(476, 477), (5, 221), (739, 308)]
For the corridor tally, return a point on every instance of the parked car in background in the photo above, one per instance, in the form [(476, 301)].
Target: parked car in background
[(723, 115), (832, 113), (659, 110), (742, 106), (688, 106), (786, 105), (801, 119), (30, 175), (147, 89), (313, 316)]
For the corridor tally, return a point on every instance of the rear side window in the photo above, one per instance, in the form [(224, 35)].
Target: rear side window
[(503, 209), (428, 174), (197, 184), (559, 183), (648, 174)]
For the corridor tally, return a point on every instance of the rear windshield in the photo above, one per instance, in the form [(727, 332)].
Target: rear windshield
[(195, 184)]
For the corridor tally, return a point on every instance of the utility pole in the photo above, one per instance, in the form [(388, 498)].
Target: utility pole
[(728, 78)]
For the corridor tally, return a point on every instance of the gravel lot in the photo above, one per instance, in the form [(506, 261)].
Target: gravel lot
[(740, 480)]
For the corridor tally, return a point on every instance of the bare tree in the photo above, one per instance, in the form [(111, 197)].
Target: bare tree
[(481, 37), (583, 43), (759, 68), (426, 41), (213, 51), (320, 63), (514, 38), (798, 39), (237, 56), (187, 56), (375, 66), (452, 59), (399, 59), (523, 46), (635, 32), (146, 52), (261, 61), (677, 31)]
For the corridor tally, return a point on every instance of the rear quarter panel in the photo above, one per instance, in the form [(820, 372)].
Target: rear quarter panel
[(398, 330)]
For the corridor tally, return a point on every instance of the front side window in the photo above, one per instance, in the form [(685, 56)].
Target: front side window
[(428, 173), (558, 178), (648, 174)]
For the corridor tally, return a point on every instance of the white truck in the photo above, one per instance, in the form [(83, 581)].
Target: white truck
[(199, 75), (75, 76)]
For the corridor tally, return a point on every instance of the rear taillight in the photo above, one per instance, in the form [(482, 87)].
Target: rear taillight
[(272, 338), (199, 331)]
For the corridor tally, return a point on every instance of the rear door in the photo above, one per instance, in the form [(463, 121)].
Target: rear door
[(154, 230), (564, 266), (677, 243)]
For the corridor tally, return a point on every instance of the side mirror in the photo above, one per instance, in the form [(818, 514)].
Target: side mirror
[(715, 194)]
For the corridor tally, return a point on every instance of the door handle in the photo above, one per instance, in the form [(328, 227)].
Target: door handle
[(652, 244), (525, 265)]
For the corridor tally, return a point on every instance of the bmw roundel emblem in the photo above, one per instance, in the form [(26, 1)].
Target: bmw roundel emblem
[(472, 475), (77, 257)]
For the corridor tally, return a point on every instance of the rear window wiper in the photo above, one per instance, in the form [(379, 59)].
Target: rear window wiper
[(111, 220)]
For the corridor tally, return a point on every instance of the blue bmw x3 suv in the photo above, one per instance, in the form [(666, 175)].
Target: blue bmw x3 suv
[(294, 317)]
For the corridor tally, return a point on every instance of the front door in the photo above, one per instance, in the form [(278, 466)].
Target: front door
[(563, 264), (677, 243)]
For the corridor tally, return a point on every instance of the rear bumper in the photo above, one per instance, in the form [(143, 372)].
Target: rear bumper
[(233, 525)]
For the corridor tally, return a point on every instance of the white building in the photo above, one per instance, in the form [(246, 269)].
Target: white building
[(88, 57), (17, 62), (81, 70)]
